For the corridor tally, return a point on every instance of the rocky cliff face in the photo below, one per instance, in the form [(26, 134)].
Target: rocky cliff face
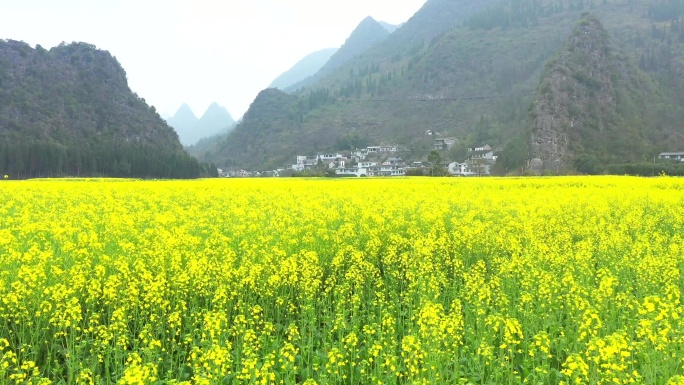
[(595, 107), (577, 87)]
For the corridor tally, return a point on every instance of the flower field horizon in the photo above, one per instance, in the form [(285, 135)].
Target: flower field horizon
[(566, 280)]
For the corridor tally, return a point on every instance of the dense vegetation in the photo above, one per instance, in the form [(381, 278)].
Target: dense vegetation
[(404, 281), (473, 69), (31, 158), (69, 112)]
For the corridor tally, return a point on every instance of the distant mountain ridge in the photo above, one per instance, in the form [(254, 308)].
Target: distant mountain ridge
[(68, 111), (191, 129), (306, 67), (368, 33)]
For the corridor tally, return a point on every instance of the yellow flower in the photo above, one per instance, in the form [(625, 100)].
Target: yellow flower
[(313, 281)]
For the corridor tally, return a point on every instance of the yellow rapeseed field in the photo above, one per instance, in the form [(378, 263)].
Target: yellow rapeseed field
[(374, 281)]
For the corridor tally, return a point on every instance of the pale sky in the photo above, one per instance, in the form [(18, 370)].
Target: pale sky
[(198, 51)]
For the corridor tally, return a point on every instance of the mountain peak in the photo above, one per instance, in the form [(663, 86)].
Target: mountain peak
[(191, 129), (368, 20), (368, 33), (184, 111), (369, 26), (214, 108), (121, 131), (218, 115)]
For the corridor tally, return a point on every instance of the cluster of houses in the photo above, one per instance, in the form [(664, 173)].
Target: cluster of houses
[(357, 163), (384, 161)]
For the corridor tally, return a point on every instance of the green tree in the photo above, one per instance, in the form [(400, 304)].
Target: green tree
[(459, 152), (434, 159), (588, 164)]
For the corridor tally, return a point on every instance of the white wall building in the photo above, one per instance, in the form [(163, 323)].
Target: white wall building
[(367, 164), (672, 155), (470, 168), (327, 157), (486, 147), (352, 171)]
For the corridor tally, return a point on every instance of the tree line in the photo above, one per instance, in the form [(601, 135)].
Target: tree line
[(31, 158)]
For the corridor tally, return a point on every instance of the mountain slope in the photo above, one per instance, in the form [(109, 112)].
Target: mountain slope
[(477, 80), (305, 68), (69, 111), (368, 33), (435, 18), (266, 126)]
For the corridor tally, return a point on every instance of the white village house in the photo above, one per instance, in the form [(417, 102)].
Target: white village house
[(470, 168), (392, 161), (367, 164), (479, 162), (374, 149), (237, 174), (386, 170), (329, 157), (672, 155)]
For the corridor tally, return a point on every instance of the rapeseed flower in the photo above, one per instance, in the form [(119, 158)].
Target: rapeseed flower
[(377, 281)]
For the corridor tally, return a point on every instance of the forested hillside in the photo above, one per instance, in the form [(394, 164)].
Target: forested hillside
[(69, 112), (475, 75)]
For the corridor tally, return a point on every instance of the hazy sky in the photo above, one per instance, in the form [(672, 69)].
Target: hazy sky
[(198, 51)]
